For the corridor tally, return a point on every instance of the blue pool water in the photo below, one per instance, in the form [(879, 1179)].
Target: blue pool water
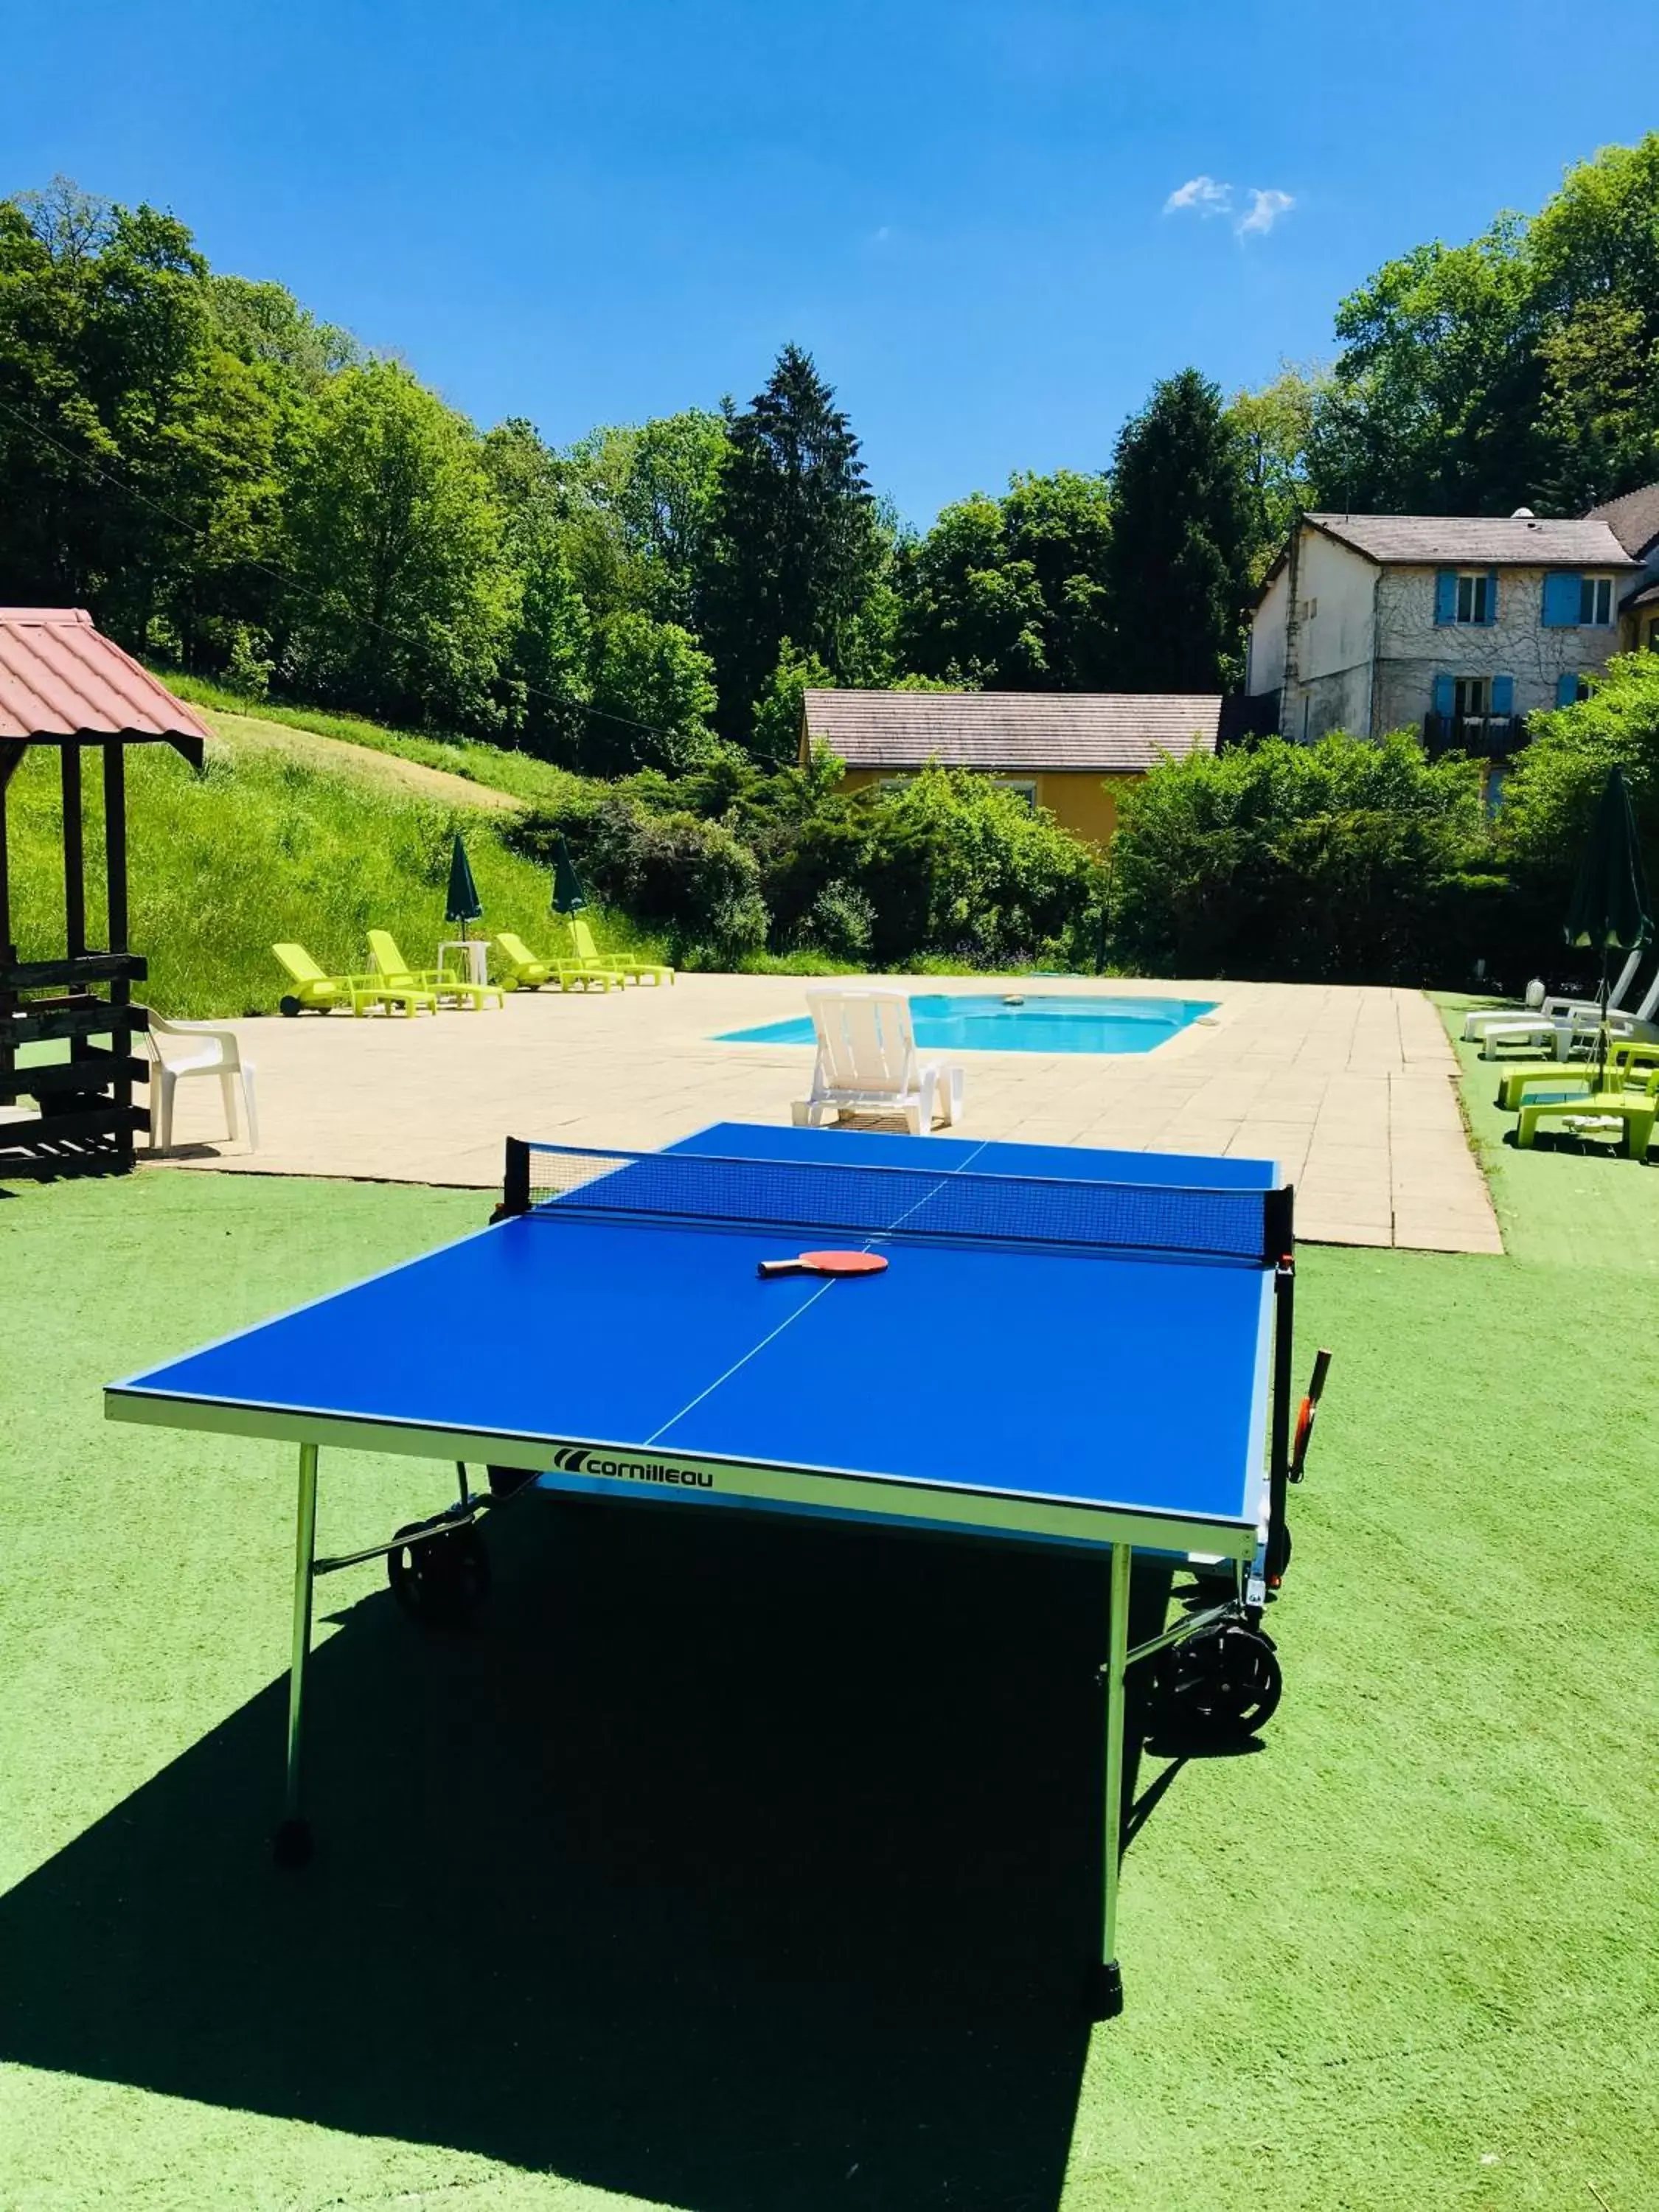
[(1040, 1021)]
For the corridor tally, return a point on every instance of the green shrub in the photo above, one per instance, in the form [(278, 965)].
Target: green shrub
[(950, 865), (690, 878), (1345, 860), (841, 922), (1549, 797), (1552, 791), (957, 865)]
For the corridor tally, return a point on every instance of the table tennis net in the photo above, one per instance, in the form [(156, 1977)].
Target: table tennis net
[(853, 1201)]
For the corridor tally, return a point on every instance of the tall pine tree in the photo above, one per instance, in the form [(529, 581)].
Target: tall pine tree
[(797, 545), (1178, 558)]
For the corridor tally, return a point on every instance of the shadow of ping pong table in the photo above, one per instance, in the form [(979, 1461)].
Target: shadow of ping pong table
[(715, 1861)]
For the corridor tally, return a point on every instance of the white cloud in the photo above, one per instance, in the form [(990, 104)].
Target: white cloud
[(1263, 212), (1203, 195), (1207, 196), (882, 236)]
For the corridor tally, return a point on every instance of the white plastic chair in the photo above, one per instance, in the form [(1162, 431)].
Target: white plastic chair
[(866, 1063), (214, 1052)]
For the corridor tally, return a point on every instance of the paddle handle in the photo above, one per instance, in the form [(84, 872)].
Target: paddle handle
[(1308, 1413), (781, 1267)]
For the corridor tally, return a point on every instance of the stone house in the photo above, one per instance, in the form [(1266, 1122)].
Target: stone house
[(1069, 751), (1458, 626)]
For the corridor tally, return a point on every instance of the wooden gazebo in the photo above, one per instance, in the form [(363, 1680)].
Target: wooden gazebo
[(62, 684)]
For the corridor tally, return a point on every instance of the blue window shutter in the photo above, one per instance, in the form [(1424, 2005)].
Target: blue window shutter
[(1444, 695), (1492, 597), (1445, 596), (1502, 694), (1566, 689), (1561, 589)]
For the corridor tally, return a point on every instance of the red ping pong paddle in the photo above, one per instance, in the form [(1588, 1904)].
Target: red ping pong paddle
[(825, 1263)]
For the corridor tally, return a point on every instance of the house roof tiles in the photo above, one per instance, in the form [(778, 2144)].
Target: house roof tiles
[(59, 678), (1633, 518), (1101, 732), (1484, 541)]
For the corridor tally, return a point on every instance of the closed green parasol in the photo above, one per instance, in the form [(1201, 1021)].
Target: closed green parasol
[(464, 905), (1609, 911), (568, 897)]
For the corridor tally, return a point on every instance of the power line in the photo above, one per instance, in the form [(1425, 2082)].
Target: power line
[(288, 583)]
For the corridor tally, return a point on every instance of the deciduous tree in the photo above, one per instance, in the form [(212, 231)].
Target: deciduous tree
[(136, 468), (1272, 427), (400, 599), (1011, 593), (653, 698)]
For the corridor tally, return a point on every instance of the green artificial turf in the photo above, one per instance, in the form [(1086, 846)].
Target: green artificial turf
[(740, 1868)]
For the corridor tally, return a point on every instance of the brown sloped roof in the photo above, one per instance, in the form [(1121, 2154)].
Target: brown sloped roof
[(1633, 518), (1101, 732), (1484, 541), (60, 678)]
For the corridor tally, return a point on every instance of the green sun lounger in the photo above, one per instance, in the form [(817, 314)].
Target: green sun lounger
[(315, 989), (589, 956), (1635, 1109), (1543, 1078), (525, 972), (1628, 1059), (394, 969)]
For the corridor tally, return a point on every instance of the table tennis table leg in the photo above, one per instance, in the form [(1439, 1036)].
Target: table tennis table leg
[(294, 1836), (1106, 1991)]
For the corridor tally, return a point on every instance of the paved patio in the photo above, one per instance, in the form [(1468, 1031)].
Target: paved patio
[(1353, 1091)]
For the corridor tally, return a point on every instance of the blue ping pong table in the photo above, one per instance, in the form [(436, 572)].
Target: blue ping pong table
[(1067, 1346)]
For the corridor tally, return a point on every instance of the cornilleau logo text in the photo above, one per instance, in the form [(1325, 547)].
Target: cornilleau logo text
[(576, 1459)]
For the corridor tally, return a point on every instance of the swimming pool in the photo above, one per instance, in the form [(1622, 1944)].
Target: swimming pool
[(1029, 1021)]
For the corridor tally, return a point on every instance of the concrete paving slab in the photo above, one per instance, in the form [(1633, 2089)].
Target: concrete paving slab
[(1348, 1088)]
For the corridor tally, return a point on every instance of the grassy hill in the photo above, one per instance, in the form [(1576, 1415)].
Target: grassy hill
[(290, 833), (519, 775)]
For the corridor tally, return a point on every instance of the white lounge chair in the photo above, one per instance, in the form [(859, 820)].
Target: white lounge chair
[(1536, 1008), (216, 1053), (1572, 1028), (866, 1063)]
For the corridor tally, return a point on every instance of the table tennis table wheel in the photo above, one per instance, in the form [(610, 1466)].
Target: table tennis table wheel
[(441, 1580), (291, 1846), (1104, 1997), (1223, 1684)]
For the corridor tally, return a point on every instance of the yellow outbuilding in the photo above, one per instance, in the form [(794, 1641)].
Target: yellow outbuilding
[(1069, 751)]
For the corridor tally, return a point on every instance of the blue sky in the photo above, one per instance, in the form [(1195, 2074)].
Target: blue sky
[(594, 214)]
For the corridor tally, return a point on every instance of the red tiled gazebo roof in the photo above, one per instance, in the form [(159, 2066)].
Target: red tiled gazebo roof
[(60, 680)]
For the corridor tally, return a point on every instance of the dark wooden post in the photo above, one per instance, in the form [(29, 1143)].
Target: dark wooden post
[(10, 753), (74, 876), (74, 873), (115, 896), (115, 843)]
